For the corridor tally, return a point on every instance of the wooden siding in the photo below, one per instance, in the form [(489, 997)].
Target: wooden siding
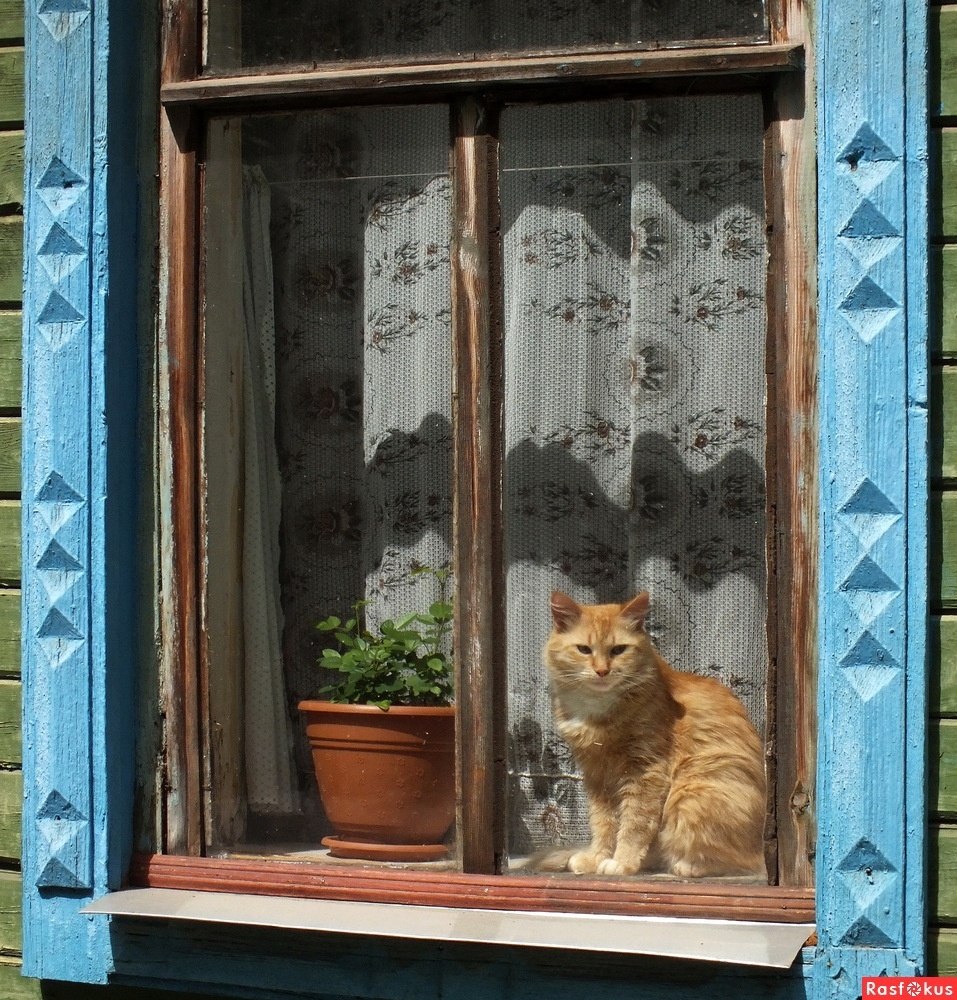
[(12, 984), (942, 879)]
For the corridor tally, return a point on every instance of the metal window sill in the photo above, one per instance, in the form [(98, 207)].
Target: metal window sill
[(770, 945)]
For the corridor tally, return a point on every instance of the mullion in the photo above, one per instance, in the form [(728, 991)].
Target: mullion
[(477, 435)]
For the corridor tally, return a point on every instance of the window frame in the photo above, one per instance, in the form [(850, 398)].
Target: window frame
[(80, 487), (473, 91)]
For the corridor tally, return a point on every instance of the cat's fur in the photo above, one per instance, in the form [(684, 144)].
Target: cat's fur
[(672, 766)]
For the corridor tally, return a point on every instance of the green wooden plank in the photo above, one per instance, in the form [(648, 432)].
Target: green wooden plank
[(11, 259), (11, 359), (11, 20), (9, 634), (943, 429), (944, 210), (14, 986), (11, 812), (11, 889), (9, 454), (11, 751), (943, 24), (942, 874), (943, 308), (9, 542), (943, 655), (943, 548), (11, 86), (941, 952), (11, 169), (943, 766)]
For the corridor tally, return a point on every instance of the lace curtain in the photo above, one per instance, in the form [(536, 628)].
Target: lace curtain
[(635, 324)]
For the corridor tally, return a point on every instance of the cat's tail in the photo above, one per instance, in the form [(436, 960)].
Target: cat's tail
[(550, 859)]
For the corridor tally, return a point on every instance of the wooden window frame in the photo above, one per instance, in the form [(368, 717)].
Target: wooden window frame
[(187, 98)]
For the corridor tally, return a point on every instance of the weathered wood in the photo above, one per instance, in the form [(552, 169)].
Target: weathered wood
[(10, 736), (11, 169), (943, 261), (944, 208), (943, 654), (11, 365), (570, 894), (942, 952), (179, 444), (477, 419), (11, 891), (790, 171), (11, 86), (11, 259), (872, 206), (11, 812), (942, 869), (13, 985), (11, 20), (9, 543), (943, 434), (944, 25), (942, 759), (9, 633), (943, 549), (9, 454), (422, 80)]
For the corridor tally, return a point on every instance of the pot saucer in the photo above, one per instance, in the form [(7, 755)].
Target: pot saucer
[(364, 850)]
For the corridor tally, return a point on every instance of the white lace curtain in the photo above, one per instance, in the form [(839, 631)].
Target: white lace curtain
[(635, 404)]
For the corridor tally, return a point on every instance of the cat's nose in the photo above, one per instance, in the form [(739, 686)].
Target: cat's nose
[(603, 669)]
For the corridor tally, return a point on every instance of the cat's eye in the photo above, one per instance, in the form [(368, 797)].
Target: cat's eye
[(584, 649), (617, 650)]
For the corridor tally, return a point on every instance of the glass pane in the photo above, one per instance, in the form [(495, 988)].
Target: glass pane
[(327, 458), (255, 33), (635, 394)]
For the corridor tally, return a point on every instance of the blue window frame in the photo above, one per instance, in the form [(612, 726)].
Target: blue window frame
[(80, 490)]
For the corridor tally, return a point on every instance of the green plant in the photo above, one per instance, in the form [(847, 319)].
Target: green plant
[(404, 663)]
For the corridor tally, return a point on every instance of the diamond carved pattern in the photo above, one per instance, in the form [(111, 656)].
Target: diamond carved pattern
[(869, 667), (868, 513), (60, 254), (57, 501), (868, 235), (63, 829), (62, 17), (59, 187)]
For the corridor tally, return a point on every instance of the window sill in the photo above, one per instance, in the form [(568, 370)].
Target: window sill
[(766, 944)]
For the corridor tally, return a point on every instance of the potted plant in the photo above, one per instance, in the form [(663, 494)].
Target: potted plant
[(383, 738)]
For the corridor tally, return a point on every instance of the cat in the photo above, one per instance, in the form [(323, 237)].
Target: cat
[(672, 766)]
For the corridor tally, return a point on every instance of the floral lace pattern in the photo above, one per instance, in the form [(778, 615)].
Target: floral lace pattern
[(635, 265)]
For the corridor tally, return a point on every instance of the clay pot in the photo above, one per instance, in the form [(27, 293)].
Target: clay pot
[(386, 779)]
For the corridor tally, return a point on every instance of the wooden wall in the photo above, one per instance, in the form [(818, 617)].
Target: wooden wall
[(11, 263), (943, 339)]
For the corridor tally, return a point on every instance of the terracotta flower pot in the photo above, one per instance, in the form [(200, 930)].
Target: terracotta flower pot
[(387, 779)]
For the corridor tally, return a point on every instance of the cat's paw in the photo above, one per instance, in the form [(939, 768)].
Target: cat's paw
[(687, 869), (586, 862), (612, 866)]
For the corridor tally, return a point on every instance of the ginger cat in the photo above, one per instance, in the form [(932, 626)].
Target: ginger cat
[(672, 766)]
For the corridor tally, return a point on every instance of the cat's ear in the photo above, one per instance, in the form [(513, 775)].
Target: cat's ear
[(636, 610), (565, 612)]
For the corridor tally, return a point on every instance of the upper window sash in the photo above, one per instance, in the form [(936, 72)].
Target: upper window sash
[(410, 82)]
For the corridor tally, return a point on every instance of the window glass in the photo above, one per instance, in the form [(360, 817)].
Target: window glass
[(316, 31), (635, 396), (326, 424)]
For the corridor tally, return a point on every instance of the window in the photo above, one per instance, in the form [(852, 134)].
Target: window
[(523, 302)]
